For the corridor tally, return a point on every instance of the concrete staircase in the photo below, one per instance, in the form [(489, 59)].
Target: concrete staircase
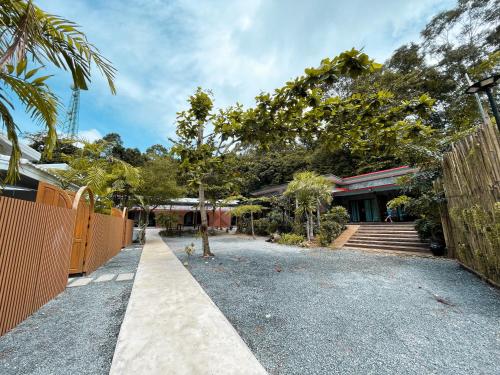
[(387, 236)]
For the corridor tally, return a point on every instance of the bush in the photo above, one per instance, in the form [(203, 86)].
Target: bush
[(329, 231), (299, 229), (262, 227), (429, 229), (332, 224), (291, 239), (337, 214), (167, 220)]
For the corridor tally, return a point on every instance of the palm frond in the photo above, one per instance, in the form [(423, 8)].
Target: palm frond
[(11, 127), (44, 36)]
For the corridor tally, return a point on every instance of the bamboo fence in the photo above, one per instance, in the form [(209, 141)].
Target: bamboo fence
[(471, 217)]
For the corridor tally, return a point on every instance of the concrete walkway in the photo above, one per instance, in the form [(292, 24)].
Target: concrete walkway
[(172, 327)]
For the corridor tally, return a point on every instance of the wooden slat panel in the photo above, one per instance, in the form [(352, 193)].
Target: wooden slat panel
[(35, 244), (129, 229), (36, 241), (106, 240)]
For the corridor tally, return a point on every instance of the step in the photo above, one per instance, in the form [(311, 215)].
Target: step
[(374, 229), (390, 233), (386, 236), (371, 223), (386, 242), (388, 247), (387, 231)]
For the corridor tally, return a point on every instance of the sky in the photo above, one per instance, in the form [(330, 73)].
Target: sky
[(164, 49)]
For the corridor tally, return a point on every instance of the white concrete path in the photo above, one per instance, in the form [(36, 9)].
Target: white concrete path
[(172, 327)]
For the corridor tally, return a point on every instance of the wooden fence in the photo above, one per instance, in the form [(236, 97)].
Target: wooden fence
[(106, 240), (471, 216), (40, 241), (35, 244)]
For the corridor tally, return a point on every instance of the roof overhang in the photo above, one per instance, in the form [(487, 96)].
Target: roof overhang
[(27, 152), (32, 173)]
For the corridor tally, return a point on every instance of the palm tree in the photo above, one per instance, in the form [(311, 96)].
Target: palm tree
[(30, 36), (309, 190)]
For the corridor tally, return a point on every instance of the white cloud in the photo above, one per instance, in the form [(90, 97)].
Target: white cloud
[(90, 135), (164, 49)]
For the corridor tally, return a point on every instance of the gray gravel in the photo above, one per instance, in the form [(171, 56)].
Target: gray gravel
[(349, 312), (76, 332)]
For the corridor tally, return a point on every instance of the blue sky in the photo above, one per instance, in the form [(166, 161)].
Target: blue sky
[(164, 49)]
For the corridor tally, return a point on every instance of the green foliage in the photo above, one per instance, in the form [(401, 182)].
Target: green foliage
[(158, 181), (30, 35), (424, 201), (63, 147), (337, 214), (309, 190), (328, 232), (246, 210), (167, 220), (262, 227), (333, 223), (291, 239), (112, 180), (400, 201), (115, 148)]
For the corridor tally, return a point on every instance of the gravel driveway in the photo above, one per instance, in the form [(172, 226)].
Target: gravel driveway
[(76, 332), (349, 312)]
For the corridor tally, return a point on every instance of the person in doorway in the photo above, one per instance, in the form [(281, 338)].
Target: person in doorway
[(388, 219)]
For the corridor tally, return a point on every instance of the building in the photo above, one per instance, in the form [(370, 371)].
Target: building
[(30, 173), (188, 214), (365, 196)]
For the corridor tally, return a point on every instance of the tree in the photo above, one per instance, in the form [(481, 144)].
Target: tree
[(297, 110), (248, 206), (246, 209), (197, 152), (309, 191), (115, 148), (31, 36), (62, 148), (158, 186), (156, 151), (112, 180)]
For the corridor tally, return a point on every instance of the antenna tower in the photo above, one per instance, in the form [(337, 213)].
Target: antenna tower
[(70, 125)]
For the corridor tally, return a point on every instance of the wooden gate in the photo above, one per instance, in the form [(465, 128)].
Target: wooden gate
[(96, 237), (53, 196), (82, 232)]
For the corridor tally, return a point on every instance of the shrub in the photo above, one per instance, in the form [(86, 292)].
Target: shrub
[(429, 229), (167, 220), (332, 224), (262, 227), (299, 229), (329, 231), (337, 214), (291, 239)]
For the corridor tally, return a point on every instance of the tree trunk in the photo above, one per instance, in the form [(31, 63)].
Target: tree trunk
[(251, 224), (318, 213), (308, 233), (204, 223), (143, 225), (311, 224), (214, 210), (201, 198)]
